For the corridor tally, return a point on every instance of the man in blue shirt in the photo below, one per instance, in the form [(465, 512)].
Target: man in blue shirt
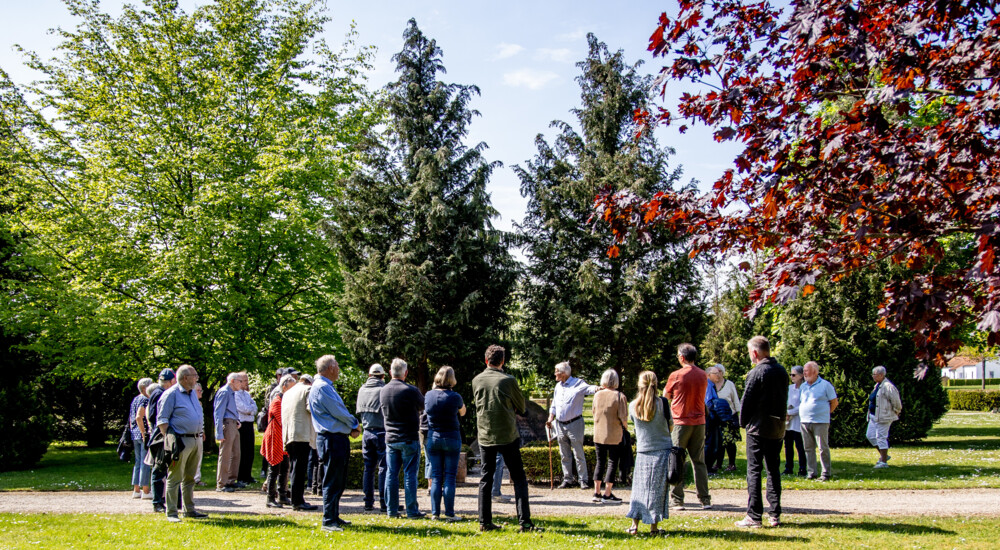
[(817, 400), (181, 412), (227, 432), (566, 416), (333, 424)]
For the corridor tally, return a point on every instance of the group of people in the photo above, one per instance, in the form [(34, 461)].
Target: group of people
[(699, 412)]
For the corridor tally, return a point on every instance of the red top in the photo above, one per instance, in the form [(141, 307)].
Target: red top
[(272, 448), (686, 390)]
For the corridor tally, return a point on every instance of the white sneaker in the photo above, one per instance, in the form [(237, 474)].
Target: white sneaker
[(147, 496), (881, 464), (136, 494), (748, 523)]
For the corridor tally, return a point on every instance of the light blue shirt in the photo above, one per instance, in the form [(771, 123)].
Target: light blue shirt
[(329, 414), (181, 410), (225, 407), (814, 401), (567, 401)]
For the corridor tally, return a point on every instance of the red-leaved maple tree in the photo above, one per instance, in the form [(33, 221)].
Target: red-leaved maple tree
[(870, 134)]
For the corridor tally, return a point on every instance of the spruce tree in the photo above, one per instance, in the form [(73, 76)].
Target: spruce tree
[(626, 312), (429, 279)]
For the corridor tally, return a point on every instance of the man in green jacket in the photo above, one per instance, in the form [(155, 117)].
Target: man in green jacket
[(498, 399)]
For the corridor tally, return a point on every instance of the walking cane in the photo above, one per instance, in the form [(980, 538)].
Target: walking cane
[(552, 482)]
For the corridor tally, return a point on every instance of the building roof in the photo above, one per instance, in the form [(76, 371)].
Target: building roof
[(960, 361)]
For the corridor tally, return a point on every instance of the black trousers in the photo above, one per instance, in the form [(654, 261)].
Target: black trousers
[(334, 452), (793, 442), (277, 479), (298, 458), (511, 453), (763, 453), (607, 463), (246, 453)]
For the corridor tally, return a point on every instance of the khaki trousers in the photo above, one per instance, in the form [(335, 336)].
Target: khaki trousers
[(229, 453), (181, 473)]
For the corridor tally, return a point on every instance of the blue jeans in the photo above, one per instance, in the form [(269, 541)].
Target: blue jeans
[(373, 453), (140, 472), (403, 455), (498, 476), (443, 457)]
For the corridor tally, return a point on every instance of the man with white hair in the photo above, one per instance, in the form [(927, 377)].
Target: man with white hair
[(817, 401), (246, 407), (334, 425), (180, 415), (566, 417), (369, 407), (227, 432), (401, 406), (884, 407)]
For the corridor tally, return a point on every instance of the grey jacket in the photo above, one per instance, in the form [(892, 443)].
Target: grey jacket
[(370, 406)]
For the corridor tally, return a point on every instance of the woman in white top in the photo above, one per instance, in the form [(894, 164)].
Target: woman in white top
[(731, 424), (793, 426)]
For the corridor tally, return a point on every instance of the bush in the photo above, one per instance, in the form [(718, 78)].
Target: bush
[(26, 427), (973, 400), (974, 382)]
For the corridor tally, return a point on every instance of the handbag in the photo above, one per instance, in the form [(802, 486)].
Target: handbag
[(126, 448), (262, 421), (677, 455), (626, 461)]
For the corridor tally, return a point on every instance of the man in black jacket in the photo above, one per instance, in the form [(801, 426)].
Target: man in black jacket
[(159, 476), (763, 415)]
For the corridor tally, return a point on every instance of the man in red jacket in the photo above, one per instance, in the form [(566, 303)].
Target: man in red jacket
[(686, 390)]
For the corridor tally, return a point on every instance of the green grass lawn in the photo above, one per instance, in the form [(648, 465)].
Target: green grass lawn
[(962, 451), (375, 532)]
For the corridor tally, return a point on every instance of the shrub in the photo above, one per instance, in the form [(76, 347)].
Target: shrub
[(26, 427), (974, 400)]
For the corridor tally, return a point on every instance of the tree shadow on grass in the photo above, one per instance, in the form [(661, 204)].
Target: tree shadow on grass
[(244, 521), (874, 527)]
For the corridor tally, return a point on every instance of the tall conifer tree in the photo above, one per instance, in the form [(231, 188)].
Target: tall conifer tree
[(430, 278), (625, 312)]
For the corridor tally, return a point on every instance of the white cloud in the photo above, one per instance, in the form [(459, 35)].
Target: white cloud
[(561, 55), (529, 78), (505, 50), (572, 36)]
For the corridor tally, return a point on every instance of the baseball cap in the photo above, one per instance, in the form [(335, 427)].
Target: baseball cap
[(292, 371), (167, 374), (376, 370)]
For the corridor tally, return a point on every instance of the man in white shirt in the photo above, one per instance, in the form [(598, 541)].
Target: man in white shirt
[(566, 417), (246, 408)]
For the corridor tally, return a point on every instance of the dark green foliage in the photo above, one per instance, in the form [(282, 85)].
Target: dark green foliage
[(427, 277), (837, 327), (626, 312), (94, 412), (972, 400), (730, 329)]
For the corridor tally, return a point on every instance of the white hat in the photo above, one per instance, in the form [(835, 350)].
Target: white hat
[(376, 370)]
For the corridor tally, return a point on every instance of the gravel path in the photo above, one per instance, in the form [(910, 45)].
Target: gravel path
[(545, 502)]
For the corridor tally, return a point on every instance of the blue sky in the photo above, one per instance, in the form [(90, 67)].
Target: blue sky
[(521, 54)]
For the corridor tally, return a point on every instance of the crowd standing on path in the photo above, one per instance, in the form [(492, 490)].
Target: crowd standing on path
[(307, 429)]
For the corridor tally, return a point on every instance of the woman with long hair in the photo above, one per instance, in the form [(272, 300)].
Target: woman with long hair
[(652, 441)]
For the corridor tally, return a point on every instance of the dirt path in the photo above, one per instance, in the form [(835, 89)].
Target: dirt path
[(544, 502)]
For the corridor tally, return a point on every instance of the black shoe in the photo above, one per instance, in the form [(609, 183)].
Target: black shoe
[(195, 515), (786, 473), (285, 501), (586, 486), (565, 485), (239, 485), (225, 489), (418, 515), (305, 506), (802, 474), (487, 527), (159, 509), (274, 504), (251, 481), (342, 522), (612, 499), (369, 508), (529, 528), (824, 478)]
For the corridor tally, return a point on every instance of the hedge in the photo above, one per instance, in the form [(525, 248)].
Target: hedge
[(975, 382), (974, 400)]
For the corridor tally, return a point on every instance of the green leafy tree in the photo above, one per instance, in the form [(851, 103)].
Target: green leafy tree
[(427, 277), (174, 170), (836, 326), (626, 310)]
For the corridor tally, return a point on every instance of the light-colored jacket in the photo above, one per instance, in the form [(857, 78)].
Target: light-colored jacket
[(792, 422), (610, 416), (296, 420), (887, 403)]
